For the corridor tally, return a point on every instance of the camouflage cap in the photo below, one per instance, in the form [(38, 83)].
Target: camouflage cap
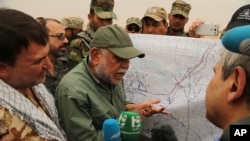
[(156, 13), (103, 8), (181, 7), (134, 20), (72, 22), (117, 40)]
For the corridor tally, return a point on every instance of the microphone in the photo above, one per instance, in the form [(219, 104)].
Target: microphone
[(130, 125), (163, 132), (237, 40), (111, 130)]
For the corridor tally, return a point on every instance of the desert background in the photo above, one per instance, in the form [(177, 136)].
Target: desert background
[(216, 11)]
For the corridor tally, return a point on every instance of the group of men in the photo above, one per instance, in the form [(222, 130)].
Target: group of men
[(79, 93), (155, 21), (32, 53)]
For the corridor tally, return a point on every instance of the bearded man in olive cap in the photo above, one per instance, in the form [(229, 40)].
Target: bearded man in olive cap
[(93, 91)]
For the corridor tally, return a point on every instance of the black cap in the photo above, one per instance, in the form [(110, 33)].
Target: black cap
[(240, 17)]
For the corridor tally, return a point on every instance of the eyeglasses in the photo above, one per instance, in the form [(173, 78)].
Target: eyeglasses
[(136, 29), (58, 36)]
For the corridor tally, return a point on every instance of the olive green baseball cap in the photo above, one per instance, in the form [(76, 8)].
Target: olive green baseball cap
[(117, 40), (103, 8)]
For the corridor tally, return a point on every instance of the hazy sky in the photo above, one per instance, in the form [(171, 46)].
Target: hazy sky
[(218, 11)]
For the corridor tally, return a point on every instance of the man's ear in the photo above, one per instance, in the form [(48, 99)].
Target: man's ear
[(169, 15), (90, 17), (3, 70), (238, 81), (95, 55)]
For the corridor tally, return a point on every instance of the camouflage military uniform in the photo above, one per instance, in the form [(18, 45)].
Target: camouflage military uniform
[(73, 24), (18, 128), (79, 47), (180, 7)]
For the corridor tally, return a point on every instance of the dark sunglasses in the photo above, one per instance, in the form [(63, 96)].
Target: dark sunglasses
[(58, 36), (131, 28)]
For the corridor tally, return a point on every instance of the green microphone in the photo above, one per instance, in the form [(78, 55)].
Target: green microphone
[(130, 125)]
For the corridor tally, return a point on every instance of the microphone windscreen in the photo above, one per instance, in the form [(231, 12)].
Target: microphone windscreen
[(111, 130), (130, 125), (163, 132), (237, 40)]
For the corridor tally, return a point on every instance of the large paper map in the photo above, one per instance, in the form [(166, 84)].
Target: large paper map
[(176, 70)]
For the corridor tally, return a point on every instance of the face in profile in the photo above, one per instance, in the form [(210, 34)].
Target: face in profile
[(30, 67), (215, 96), (110, 69), (57, 38)]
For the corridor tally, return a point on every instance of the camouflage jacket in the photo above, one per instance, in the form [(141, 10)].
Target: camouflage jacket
[(80, 46), (18, 129), (25, 119)]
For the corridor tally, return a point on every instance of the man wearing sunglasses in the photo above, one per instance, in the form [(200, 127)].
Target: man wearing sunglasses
[(133, 25), (101, 14)]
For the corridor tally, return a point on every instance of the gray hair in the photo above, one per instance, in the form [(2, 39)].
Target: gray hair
[(103, 50), (230, 60)]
